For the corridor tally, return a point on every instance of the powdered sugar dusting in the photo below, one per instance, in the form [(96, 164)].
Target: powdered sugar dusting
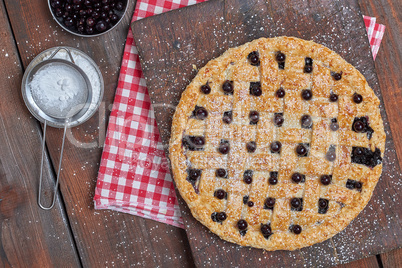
[(57, 88)]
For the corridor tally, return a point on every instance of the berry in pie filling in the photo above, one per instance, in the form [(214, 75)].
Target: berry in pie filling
[(334, 126), (352, 184), (306, 121), (296, 229), (331, 155), (255, 89), (245, 199), (221, 216), (333, 97), (273, 178), (337, 76), (297, 177), (254, 58), (227, 87), (224, 147), (220, 172), (358, 126), (326, 179), (269, 203), (301, 150), (198, 141), (254, 117), (214, 216), (201, 113), (227, 117), (358, 185), (276, 147), (220, 194), (251, 146), (278, 119), (280, 93), (248, 176), (193, 143), (280, 57), (308, 69), (308, 61), (323, 205), (286, 144), (206, 89), (361, 124), (307, 94), (218, 217), (366, 157), (266, 230), (357, 98), (194, 174), (242, 225)]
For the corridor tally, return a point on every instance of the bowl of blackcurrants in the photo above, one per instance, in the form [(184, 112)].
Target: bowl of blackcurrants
[(88, 18)]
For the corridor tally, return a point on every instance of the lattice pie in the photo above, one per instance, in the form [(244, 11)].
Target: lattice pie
[(277, 144)]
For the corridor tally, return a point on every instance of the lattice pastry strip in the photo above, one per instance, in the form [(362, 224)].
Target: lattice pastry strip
[(277, 144)]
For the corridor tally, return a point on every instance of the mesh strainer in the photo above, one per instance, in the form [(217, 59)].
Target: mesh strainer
[(46, 112)]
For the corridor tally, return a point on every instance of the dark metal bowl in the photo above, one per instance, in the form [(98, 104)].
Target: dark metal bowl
[(123, 13)]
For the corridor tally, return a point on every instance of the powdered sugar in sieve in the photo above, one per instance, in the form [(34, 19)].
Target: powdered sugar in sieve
[(59, 92), (58, 89)]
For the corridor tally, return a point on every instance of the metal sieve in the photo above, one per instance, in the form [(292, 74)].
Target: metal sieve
[(61, 118)]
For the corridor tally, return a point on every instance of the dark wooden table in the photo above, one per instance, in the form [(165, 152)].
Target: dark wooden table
[(73, 234)]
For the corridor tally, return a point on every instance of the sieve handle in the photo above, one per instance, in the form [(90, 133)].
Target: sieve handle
[(58, 172), (62, 48)]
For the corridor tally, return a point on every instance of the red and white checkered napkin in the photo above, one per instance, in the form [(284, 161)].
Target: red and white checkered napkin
[(134, 174), (375, 33)]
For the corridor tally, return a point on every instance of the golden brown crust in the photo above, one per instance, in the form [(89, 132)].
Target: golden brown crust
[(344, 204)]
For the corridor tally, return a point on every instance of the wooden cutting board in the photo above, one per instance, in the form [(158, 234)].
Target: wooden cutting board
[(171, 43)]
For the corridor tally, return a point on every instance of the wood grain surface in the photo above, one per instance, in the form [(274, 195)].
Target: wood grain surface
[(73, 234), (388, 65), (392, 258), (103, 238), (370, 262), (29, 236), (217, 25)]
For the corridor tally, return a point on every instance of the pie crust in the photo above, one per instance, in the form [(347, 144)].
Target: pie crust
[(330, 131)]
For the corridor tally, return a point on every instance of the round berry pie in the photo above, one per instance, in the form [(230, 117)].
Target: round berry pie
[(277, 144)]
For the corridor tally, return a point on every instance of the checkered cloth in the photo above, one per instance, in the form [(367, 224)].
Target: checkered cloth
[(134, 174), (375, 33)]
